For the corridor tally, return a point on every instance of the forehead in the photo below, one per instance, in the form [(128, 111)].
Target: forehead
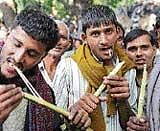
[(20, 35), (62, 29), (101, 27), (142, 40)]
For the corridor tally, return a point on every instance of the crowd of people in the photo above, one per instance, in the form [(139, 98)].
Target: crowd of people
[(67, 69)]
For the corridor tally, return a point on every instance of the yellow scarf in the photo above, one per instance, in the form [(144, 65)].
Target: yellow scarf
[(94, 73)]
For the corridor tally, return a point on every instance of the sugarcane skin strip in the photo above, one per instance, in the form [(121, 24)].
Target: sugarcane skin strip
[(49, 105), (113, 72)]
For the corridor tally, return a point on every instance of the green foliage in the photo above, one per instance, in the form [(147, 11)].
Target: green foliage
[(57, 7), (114, 3), (44, 5)]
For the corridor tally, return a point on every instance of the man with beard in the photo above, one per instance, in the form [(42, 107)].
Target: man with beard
[(141, 48), (78, 77), (32, 35)]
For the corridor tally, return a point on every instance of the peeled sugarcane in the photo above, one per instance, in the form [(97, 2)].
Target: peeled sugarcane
[(142, 93), (113, 72), (49, 105)]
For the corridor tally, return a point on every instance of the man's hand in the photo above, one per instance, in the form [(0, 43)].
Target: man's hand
[(135, 124), (79, 111), (10, 97), (119, 87)]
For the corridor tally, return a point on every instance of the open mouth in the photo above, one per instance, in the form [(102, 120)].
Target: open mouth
[(10, 69), (57, 49), (107, 50)]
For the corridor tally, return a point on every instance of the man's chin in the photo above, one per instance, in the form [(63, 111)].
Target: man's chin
[(9, 76), (140, 68)]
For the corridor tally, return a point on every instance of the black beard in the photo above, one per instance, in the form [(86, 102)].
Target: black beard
[(17, 80), (4, 80)]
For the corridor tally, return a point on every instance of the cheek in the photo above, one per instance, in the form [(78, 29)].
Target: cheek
[(114, 37), (29, 62), (131, 55)]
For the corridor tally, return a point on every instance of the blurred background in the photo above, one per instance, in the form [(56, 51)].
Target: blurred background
[(130, 13)]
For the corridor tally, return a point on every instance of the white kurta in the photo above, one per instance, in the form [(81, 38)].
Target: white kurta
[(69, 85)]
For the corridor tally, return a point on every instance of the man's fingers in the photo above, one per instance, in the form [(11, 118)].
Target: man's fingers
[(78, 117), (120, 96), (12, 100), (5, 88), (129, 129), (89, 102), (88, 108), (118, 90), (5, 112), (9, 93), (83, 119), (87, 124), (72, 112), (114, 77)]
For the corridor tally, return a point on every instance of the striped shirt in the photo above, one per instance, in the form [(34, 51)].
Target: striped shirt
[(70, 85)]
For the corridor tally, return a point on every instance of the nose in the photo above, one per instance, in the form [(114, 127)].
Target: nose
[(139, 52), (103, 40), (19, 55)]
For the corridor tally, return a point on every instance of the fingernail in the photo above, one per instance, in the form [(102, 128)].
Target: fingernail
[(106, 81)]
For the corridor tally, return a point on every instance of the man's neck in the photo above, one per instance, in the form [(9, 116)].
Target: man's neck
[(50, 65)]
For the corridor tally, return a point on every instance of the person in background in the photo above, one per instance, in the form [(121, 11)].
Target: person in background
[(121, 33), (141, 48), (76, 40), (49, 63), (157, 29)]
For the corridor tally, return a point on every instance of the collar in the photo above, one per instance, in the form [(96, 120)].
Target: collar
[(44, 73)]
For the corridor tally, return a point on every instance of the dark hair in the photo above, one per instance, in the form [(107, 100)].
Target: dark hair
[(157, 25), (137, 33), (39, 26), (121, 28), (96, 15)]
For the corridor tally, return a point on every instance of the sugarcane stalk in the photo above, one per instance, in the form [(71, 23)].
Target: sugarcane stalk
[(49, 105), (113, 72), (142, 93), (46, 104)]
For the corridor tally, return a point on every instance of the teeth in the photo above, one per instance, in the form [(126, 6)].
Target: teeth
[(110, 52)]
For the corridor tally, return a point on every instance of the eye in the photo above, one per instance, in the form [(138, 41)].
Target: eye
[(132, 49), (144, 47), (108, 31), (95, 34), (33, 53), (17, 44)]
